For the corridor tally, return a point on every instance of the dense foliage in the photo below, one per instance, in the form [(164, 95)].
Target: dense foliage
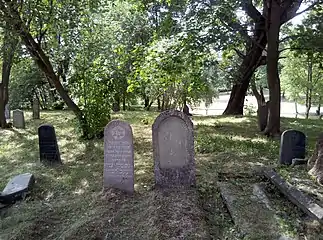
[(98, 56)]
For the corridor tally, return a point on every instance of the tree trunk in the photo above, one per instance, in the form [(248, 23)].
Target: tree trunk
[(309, 87), (158, 104), (45, 65), (116, 103), (124, 105), (146, 100), (8, 50), (273, 124), (248, 66), (262, 112)]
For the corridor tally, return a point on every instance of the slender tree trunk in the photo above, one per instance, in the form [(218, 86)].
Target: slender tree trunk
[(8, 50), (44, 64), (247, 68), (124, 104), (158, 104), (273, 124), (309, 87)]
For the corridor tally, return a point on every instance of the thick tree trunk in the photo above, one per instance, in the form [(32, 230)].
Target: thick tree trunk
[(44, 64), (248, 66), (273, 124)]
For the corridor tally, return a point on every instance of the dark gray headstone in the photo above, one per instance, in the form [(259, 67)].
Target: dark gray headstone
[(173, 148), (262, 114), (118, 156), (7, 111), (48, 147), (36, 109), (17, 188), (18, 119), (292, 146)]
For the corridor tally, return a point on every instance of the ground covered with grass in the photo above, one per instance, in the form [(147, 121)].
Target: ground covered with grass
[(67, 202)]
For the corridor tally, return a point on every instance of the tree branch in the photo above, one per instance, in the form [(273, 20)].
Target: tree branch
[(251, 10), (240, 54), (288, 14)]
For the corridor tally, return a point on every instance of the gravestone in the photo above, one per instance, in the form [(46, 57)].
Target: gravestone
[(48, 147), (173, 148), (118, 156), (292, 146), (262, 115), (18, 119), (36, 109), (17, 188), (7, 111)]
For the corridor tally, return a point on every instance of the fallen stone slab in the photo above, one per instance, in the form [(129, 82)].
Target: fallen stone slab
[(251, 211), (304, 202), (17, 188)]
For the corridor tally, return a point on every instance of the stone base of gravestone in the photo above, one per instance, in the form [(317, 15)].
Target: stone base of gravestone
[(292, 146), (173, 149), (48, 147), (118, 156)]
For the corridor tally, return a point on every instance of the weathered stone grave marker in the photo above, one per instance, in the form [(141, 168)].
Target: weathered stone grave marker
[(17, 188), (48, 147), (7, 111), (292, 146), (36, 109), (118, 156), (18, 119), (173, 148)]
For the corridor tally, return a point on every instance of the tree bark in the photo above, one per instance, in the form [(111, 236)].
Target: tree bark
[(273, 124), (248, 66), (158, 104), (124, 103), (8, 50), (309, 88)]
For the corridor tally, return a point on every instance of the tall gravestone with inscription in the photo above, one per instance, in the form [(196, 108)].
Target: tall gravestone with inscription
[(36, 109), (18, 119), (173, 149), (292, 146), (118, 156), (48, 147)]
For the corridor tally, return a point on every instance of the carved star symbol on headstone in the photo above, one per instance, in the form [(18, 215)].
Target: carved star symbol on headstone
[(118, 133)]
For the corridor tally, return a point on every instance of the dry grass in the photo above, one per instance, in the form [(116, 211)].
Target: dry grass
[(67, 202)]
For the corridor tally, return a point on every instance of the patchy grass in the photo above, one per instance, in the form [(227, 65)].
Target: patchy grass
[(67, 202)]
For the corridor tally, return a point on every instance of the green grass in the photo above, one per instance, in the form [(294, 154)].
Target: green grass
[(67, 201)]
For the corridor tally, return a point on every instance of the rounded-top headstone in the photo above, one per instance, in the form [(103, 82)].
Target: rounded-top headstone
[(173, 149), (48, 147), (118, 156), (18, 118), (292, 146)]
